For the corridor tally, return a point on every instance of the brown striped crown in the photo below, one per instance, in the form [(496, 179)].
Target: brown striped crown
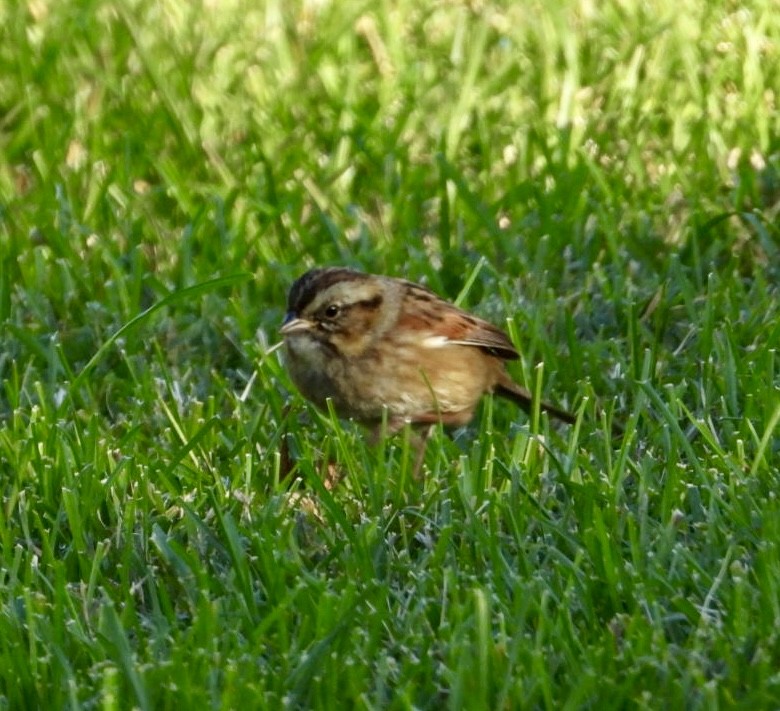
[(316, 281)]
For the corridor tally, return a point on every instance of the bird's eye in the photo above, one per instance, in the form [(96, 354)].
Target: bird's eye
[(332, 311)]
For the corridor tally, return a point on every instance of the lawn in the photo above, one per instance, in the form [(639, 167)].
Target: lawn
[(602, 179)]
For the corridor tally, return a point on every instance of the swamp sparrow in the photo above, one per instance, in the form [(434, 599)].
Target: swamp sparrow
[(374, 343)]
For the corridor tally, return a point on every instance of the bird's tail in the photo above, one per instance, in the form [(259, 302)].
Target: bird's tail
[(509, 389)]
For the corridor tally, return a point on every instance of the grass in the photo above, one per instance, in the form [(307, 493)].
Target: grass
[(601, 178)]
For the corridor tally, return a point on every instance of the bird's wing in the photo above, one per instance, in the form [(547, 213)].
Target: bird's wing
[(447, 324)]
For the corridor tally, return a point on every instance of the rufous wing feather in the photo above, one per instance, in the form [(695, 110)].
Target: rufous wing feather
[(440, 318)]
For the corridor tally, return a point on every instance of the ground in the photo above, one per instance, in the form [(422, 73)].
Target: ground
[(600, 179)]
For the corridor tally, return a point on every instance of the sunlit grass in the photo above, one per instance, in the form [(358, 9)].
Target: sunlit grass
[(178, 526)]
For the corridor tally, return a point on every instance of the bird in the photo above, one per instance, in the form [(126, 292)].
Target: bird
[(386, 350)]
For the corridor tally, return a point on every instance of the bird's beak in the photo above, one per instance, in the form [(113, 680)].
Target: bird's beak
[(293, 324)]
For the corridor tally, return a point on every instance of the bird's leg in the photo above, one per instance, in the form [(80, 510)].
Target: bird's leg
[(419, 441)]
